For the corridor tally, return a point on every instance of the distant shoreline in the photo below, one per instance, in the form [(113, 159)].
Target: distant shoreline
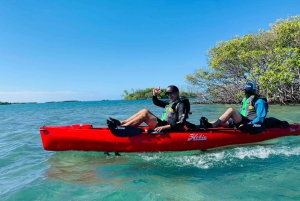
[(192, 102), (15, 103), (63, 101)]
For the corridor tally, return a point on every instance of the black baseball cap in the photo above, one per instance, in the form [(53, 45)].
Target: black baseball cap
[(250, 86), (172, 89)]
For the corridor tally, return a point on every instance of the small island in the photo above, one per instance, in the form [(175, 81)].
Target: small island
[(5, 103), (8, 103), (146, 94), (62, 101)]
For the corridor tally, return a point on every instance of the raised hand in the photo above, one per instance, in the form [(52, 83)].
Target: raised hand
[(156, 91)]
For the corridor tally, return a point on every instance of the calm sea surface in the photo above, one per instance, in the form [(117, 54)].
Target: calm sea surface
[(28, 172)]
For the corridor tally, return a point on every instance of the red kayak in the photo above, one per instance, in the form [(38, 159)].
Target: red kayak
[(83, 137)]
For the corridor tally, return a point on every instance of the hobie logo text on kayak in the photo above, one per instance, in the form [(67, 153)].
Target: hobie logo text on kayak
[(120, 127), (196, 137)]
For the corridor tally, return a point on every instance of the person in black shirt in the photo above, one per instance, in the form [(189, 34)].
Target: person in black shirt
[(173, 117)]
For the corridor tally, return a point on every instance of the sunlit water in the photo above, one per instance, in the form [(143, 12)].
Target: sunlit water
[(28, 172)]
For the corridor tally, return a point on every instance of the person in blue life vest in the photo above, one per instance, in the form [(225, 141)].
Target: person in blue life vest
[(253, 110), (173, 117)]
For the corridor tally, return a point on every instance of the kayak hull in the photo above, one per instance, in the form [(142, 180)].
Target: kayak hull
[(87, 138)]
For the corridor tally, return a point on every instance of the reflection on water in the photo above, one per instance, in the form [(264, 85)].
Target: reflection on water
[(82, 167), (156, 176), (94, 167)]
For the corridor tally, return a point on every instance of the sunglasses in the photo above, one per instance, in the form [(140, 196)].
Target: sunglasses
[(170, 93)]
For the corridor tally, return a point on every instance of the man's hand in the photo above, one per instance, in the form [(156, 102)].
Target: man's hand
[(156, 91), (161, 128)]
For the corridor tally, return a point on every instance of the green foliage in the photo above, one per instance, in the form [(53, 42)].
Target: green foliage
[(188, 94), (4, 103), (138, 94), (147, 94), (270, 58)]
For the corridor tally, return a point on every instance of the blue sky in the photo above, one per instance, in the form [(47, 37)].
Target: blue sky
[(55, 50)]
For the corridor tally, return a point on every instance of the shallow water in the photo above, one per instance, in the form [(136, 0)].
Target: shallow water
[(28, 172)]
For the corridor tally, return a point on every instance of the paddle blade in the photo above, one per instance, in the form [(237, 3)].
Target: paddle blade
[(126, 131)]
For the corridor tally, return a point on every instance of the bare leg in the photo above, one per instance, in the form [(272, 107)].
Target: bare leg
[(230, 113), (133, 116), (142, 116), (225, 124)]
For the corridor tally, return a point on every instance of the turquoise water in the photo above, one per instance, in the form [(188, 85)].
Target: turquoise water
[(28, 172)]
